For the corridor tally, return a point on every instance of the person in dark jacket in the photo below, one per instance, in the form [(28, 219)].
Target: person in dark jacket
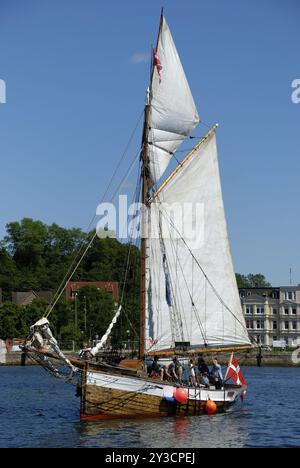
[(155, 369), (203, 375)]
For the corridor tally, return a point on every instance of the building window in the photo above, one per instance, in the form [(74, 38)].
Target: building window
[(249, 324), (286, 311), (274, 325), (290, 295), (249, 309), (293, 294), (260, 339), (274, 311), (274, 338), (260, 324), (286, 325), (294, 324), (260, 310), (294, 311)]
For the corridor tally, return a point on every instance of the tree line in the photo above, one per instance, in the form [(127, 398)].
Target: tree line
[(35, 256)]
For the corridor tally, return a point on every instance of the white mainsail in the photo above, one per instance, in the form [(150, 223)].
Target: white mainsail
[(204, 296), (173, 111)]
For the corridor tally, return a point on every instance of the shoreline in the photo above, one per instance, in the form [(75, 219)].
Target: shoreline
[(269, 359)]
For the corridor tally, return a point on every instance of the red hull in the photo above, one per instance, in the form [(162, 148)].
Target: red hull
[(105, 417)]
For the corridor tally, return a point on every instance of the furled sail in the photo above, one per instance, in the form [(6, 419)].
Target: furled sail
[(187, 217), (96, 349), (173, 111)]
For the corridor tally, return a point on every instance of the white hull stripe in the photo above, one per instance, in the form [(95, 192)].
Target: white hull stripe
[(158, 388)]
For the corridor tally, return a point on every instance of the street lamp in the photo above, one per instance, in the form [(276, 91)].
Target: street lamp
[(128, 339), (85, 309), (91, 328), (76, 315)]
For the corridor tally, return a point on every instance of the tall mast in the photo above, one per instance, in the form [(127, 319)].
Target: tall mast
[(145, 190), (145, 197)]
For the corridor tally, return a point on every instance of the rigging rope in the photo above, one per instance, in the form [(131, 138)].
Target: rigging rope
[(204, 274), (127, 261), (176, 321), (193, 304), (69, 275), (58, 293)]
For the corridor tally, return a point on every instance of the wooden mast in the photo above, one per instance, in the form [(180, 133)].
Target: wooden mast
[(145, 191), (145, 197)]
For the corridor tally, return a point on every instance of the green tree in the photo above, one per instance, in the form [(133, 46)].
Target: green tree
[(108, 259), (62, 315), (60, 248), (10, 316), (70, 334), (25, 241), (252, 281), (32, 313), (34, 256), (40, 253), (9, 274), (100, 309)]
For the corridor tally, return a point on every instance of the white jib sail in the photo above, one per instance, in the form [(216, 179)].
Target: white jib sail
[(173, 111), (205, 302), (104, 338)]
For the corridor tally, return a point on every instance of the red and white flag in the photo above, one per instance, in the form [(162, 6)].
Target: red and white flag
[(152, 341), (157, 63), (234, 372)]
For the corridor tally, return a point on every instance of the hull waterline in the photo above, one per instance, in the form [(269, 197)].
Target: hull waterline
[(119, 397)]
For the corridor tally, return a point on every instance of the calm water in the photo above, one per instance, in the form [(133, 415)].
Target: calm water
[(37, 410)]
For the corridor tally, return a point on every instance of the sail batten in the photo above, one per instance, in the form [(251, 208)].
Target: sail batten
[(173, 110), (197, 252)]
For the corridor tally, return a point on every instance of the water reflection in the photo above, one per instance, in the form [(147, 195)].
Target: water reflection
[(229, 430), (181, 428)]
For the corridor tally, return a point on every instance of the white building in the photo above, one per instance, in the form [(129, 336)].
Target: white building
[(272, 314)]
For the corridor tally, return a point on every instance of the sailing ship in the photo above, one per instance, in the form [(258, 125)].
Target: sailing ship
[(189, 301)]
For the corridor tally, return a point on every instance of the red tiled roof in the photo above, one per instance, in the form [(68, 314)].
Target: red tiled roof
[(110, 286)]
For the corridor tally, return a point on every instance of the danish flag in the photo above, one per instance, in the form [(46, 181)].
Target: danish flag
[(152, 341), (234, 372), (157, 63)]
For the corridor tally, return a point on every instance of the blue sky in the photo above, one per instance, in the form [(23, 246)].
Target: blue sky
[(76, 79)]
